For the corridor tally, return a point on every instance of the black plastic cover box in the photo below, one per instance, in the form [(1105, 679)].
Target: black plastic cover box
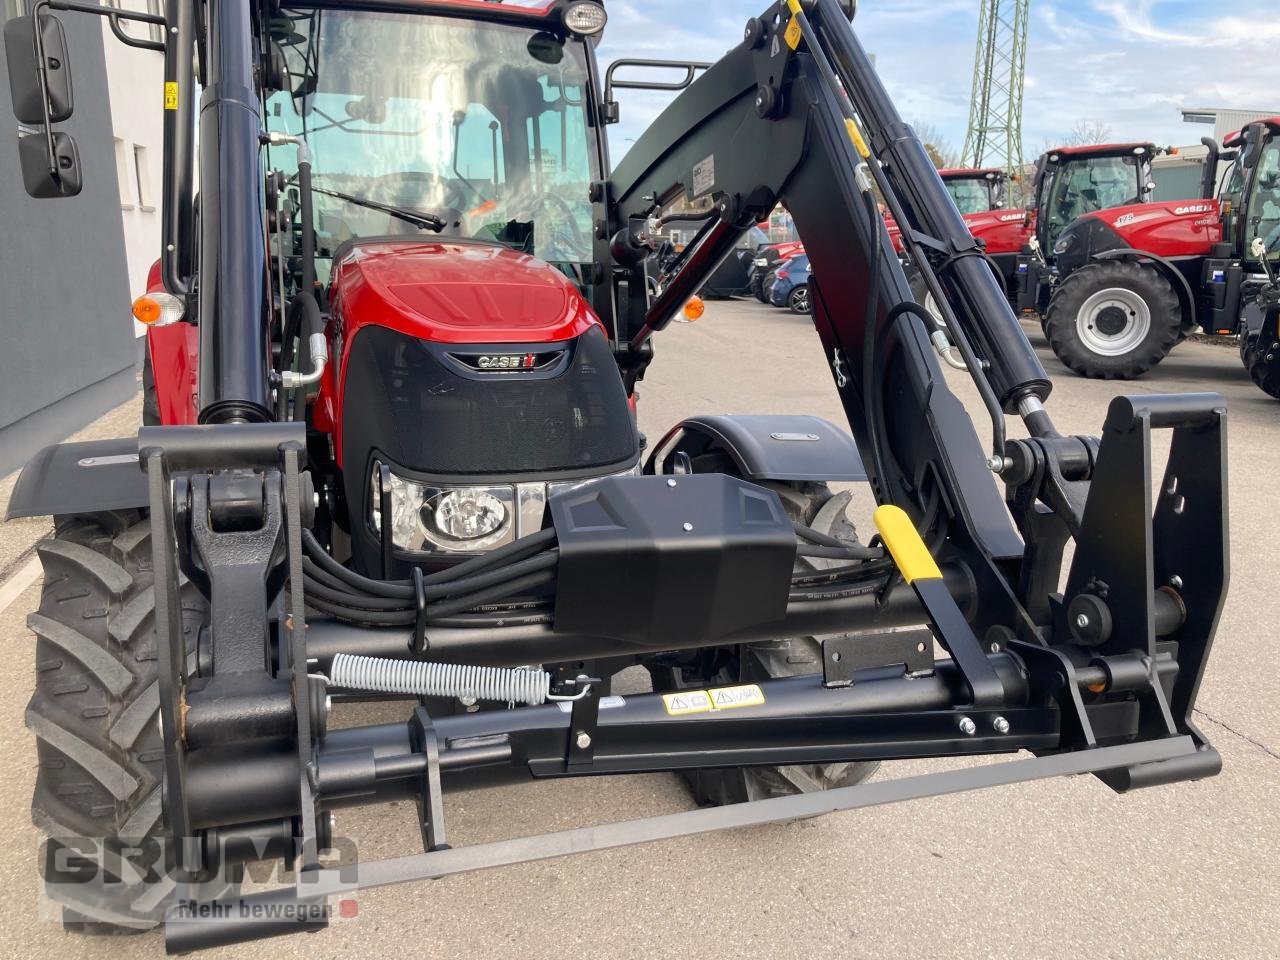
[(649, 560)]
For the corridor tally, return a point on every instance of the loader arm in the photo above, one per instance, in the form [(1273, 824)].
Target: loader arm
[(770, 124)]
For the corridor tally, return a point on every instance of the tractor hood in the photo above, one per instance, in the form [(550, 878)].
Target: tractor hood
[(1167, 228), (456, 291), (1002, 231)]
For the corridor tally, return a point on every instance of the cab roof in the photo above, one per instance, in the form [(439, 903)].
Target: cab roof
[(1237, 138), (1103, 149)]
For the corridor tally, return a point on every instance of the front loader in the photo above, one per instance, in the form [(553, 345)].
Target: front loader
[(403, 324)]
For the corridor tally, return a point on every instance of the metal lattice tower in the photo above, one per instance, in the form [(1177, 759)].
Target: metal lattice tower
[(994, 138)]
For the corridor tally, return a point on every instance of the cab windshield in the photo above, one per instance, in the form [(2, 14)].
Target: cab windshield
[(478, 124), (1262, 218), (1085, 185), (971, 195)]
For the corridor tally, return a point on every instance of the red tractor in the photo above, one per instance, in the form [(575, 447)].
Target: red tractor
[(395, 361), (1132, 281)]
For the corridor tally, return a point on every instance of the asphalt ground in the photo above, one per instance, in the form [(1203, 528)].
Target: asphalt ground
[(1061, 868)]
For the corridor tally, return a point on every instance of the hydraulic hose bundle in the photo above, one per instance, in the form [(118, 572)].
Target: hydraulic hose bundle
[(513, 579)]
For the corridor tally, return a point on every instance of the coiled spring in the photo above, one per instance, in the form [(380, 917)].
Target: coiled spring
[(422, 679)]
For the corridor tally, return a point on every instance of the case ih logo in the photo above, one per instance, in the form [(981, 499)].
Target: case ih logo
[(507, 361), (1192, 208)]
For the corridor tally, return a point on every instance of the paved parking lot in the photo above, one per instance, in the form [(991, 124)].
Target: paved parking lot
[(1053, 869)]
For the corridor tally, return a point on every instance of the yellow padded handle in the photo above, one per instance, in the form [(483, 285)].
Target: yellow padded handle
[(905, 546)]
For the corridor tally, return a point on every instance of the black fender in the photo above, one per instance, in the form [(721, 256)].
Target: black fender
[(765, 447), (1186, 299), (87, 477)]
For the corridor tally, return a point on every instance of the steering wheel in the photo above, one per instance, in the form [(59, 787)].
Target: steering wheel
[(546, 199)]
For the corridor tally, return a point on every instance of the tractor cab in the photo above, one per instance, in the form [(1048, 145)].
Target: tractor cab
[(490, 138), (1068, 183), (975, 190), (1250, 197), (1072, 181)]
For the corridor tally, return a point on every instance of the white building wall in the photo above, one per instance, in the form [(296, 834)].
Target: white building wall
[(135, 86)]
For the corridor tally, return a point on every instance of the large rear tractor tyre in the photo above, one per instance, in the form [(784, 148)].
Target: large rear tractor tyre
[(1263, 365), (814, 505), (1113, 320), (94, 714)]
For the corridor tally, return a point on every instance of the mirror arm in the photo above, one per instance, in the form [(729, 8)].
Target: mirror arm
[(42, 72), (690, 68)]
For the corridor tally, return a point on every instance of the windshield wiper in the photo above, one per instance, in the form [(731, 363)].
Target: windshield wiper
[(418, 218)]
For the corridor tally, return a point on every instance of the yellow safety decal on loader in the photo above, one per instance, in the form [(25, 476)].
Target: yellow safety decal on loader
[(905, 546), (727, 698), (687, 701), (171, 96), (717, 698), (793, 33)]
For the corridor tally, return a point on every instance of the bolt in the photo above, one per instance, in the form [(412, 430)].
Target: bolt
[(467, 701), (584, 740), (995, 648), (671, 482), (967, 726), (1001, 725), (688, 527), (1176, 582), (1082, 620)]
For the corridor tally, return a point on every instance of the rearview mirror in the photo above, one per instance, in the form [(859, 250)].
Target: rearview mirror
[(1252, 148), (24, 75), (40, 181)]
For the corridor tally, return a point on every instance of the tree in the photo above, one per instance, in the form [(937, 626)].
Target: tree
[(1086, 132), (940, 150)]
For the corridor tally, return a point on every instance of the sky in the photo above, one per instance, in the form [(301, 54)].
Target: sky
[(1129, 64)]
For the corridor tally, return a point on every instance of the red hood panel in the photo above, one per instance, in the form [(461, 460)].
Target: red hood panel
[(1168, 228), (457, 292)]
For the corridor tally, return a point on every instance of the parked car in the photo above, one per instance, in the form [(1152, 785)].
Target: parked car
[(791, 285), (767, 259)]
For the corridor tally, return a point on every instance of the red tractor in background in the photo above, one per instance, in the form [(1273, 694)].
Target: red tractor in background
[(1134, 280)]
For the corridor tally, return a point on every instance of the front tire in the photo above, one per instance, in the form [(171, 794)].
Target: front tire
[(94, 712), (1113, 320), (1263, 365), (812, 504)]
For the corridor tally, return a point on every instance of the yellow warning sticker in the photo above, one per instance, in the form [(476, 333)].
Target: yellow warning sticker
[(171, 96), (727, 698), (792, 35), (687, 701), (708, 701)]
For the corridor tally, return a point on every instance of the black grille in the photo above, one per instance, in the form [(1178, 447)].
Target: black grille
[(425, 411)]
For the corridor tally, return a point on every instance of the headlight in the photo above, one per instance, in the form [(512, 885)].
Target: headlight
[(446, 519), (469, 514), (465, 519), (585, 18), (1064, 244)]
